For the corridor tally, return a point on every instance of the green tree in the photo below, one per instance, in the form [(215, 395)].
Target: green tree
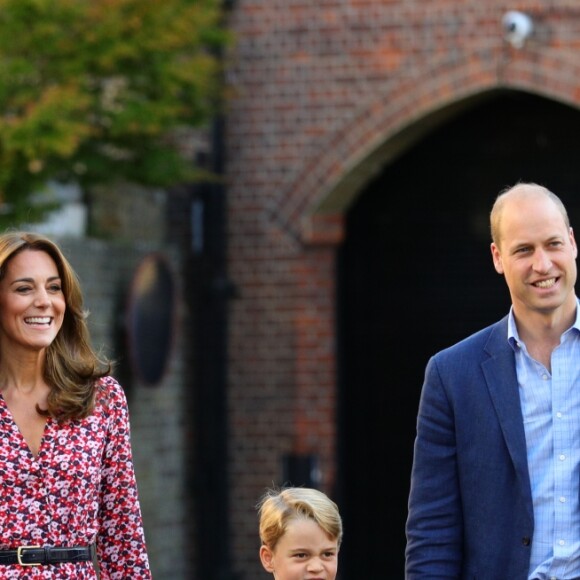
[(97, 91)]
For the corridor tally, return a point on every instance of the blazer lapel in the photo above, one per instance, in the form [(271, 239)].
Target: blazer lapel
[(500, 374)]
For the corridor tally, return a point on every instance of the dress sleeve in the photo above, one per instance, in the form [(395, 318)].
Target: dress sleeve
[(121, 549)]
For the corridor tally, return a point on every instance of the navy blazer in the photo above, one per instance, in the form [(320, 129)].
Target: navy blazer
[(470, 504)]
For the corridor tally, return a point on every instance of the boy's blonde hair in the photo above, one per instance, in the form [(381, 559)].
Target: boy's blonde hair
[(279, 507)]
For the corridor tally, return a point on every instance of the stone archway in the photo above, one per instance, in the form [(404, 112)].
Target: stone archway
[(312, 204)]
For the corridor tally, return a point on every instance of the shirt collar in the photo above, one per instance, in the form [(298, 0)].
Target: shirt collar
[(513, 336)]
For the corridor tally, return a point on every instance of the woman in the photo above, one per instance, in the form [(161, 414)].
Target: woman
[(69, 497)]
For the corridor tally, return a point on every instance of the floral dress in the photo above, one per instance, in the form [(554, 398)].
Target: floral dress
[(80, 489)]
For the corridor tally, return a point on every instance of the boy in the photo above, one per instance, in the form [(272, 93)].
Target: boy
[(301, 532)]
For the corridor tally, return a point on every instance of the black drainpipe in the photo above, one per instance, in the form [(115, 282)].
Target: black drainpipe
[(209, 291)]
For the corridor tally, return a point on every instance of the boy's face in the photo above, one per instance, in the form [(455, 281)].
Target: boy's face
[(304, 552)]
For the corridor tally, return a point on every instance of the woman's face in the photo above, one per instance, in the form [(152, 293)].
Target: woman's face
[(304, 552), (32, 303)]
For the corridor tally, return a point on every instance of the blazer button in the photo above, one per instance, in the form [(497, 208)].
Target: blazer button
[(526, 541)]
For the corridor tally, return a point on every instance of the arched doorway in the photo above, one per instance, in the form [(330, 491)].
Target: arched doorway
[(415, 275)]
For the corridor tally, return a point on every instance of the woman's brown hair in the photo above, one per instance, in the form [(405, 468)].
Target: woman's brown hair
[(72, 368)]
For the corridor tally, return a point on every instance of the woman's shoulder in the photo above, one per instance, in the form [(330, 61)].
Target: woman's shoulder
[(109, 391), (109, 382)]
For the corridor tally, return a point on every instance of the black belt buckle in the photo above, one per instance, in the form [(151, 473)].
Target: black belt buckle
[(20, 552)]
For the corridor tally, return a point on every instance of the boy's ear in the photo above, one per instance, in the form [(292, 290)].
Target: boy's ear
[(266, 556)]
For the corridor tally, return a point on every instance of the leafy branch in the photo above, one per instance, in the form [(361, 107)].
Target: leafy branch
[(96, 91)]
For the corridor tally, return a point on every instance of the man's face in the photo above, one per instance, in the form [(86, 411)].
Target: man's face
[(536, 253)]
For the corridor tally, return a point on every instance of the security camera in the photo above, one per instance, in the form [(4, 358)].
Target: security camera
[(517, 27)]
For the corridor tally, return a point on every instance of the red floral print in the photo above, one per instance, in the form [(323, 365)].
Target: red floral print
[(80, 489)]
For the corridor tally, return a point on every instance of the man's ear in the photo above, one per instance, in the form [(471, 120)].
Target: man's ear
[(496, 255), (267, 557)]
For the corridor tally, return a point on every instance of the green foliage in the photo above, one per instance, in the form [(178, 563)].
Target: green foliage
[(95, 91)]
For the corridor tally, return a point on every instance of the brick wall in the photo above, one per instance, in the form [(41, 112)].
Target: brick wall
[(323, 95)]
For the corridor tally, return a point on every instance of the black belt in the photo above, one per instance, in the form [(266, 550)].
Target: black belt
[(37, 555)]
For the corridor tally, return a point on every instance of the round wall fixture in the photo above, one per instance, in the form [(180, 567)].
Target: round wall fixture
[(518, 27), (151, 317)]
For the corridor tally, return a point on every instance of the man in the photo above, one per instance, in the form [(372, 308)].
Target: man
[(496, 475)]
